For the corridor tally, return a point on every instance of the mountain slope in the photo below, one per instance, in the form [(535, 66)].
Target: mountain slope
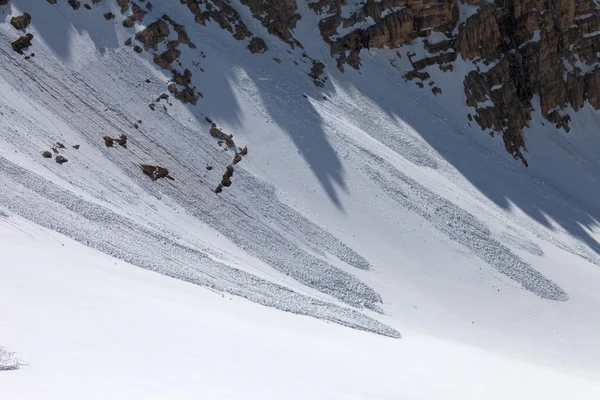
[(366, 202)]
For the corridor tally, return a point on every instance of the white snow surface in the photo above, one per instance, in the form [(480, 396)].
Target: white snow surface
[(367, 211)]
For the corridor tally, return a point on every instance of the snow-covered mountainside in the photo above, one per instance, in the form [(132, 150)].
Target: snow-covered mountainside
[(170, 168)]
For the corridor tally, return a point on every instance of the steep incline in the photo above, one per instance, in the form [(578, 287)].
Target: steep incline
[(228, 145)]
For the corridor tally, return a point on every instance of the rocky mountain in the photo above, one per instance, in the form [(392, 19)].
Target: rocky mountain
[(519, 49), (520, 53), (188, 186)]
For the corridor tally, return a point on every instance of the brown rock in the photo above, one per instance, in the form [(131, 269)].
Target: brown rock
[(257, 45), (22, 43), (155, 172), (154, 33), (75, 4), (21, 22), (124, 4), (279, 17), (165, 59), (187, 95)]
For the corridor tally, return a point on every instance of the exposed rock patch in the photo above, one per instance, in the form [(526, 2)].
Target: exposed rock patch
[(279, 17), (155, 172), (22, 43), (21, 21), (521, 49), (257, 45), (154, 34), (75, 4)]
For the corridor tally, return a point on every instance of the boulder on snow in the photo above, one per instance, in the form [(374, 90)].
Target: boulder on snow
[(22, 43), (21, 21)]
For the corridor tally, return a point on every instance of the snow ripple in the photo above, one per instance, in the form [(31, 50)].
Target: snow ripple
[(22, 191), (461, 227)]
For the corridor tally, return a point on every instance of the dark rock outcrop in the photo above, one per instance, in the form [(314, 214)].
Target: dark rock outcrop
[(154, 33), (21, 21), (279, 17), (257, 45), (521, 50), (22, 43)]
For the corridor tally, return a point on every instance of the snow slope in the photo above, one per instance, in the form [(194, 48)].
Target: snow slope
[(369, 205), (92, 326)]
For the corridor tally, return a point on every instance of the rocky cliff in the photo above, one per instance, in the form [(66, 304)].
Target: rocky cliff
[(520, 53), (520, 49)]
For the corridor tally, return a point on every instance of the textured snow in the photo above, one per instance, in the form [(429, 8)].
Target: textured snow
[(366, 209)]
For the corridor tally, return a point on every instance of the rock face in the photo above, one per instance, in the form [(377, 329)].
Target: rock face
[(538, 48), (386, 23), (279, 17), (522, 55), (221, 12), (520, 50), (154, 33)]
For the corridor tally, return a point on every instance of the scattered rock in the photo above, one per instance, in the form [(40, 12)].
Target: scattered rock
[(137, 49), (124, 4), (155, 172), (208, 167), (22, 43), (219, 188), (184, 79), (108, 16), (187, 95), (122, 140), (75, 4), (76, 146), (108, 141), (87, 6), (165, 59), (46, 154), (154, 33), (226, 180), (21, 22), (279, 17), (60, 159), (244, 151), (315, 73), (237, 158), (128, 41), (138, 15), (257, 45), (182, 36)]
